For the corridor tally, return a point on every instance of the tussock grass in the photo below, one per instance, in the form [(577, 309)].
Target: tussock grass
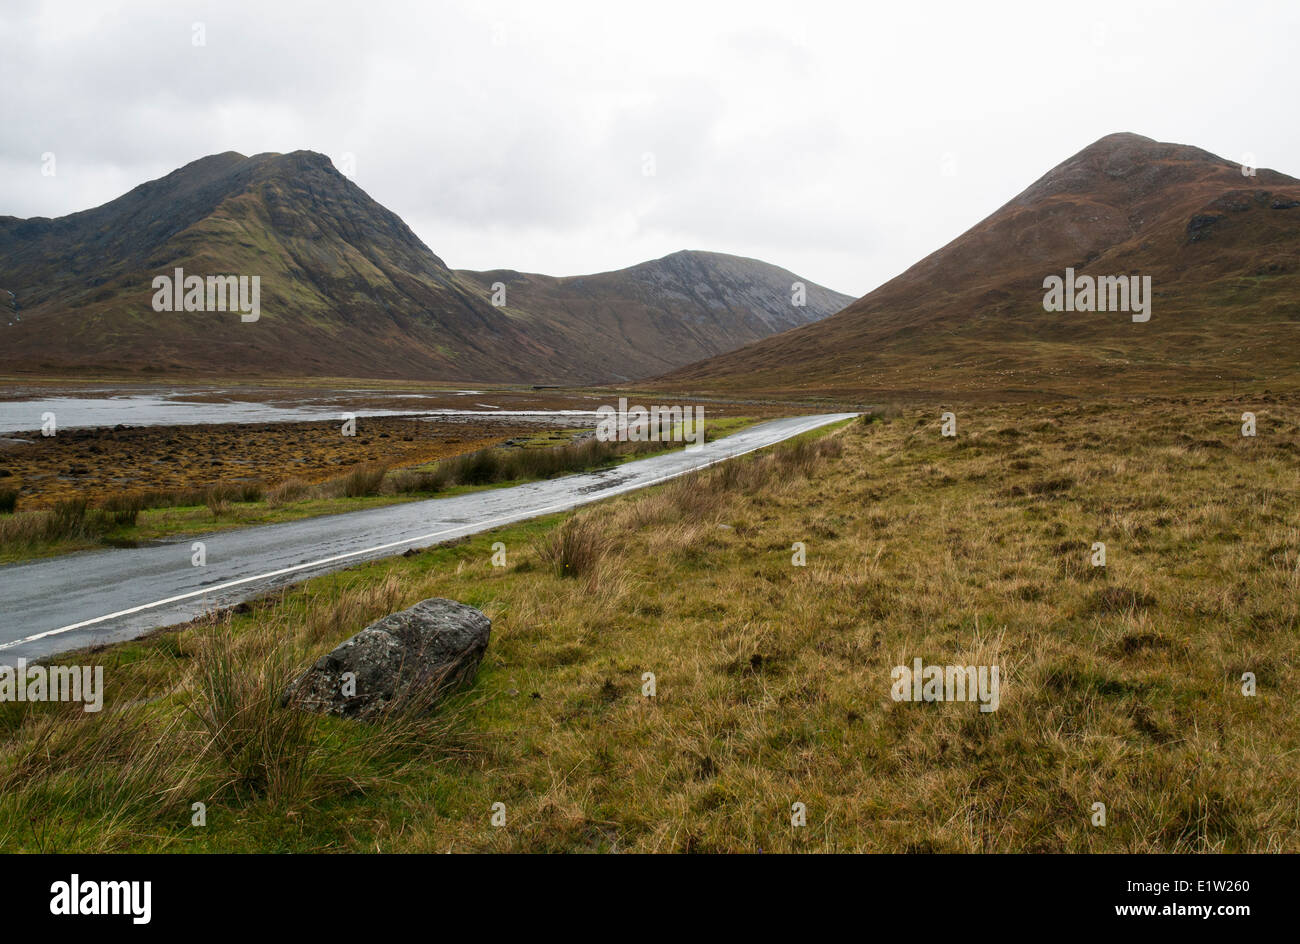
[(115, 520), (125, 509), (212, 495), (410, 481), (217, 502), (492, 466), (286, 492), (576, 548), (68, 520), (197, 717), (74, 522), (262, 747), (364, 480), (1120, 686)]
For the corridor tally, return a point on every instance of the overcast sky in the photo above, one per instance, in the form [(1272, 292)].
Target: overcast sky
[(843, 140)]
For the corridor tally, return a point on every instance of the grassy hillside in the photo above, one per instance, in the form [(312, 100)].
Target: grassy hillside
[(1119, 685), (1222, 251), (347, 289)]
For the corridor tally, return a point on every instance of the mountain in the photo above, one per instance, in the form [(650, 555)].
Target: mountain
[(644, 319), (1222, 250), (347, 290)]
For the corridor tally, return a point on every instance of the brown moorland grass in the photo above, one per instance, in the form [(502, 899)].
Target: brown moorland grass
[(1120, 685), (73, 524)]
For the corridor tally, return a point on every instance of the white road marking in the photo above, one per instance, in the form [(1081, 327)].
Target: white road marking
[(474, 528)]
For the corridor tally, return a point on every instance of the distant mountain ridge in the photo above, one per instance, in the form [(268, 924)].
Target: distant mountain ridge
[(1222, 249), (349, 290), (707, 301)]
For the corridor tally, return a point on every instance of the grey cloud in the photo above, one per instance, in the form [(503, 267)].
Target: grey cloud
[(511, 134)]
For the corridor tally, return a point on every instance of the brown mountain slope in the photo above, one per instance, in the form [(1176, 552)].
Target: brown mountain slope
[(1222, 250), (348, 290), (644, 319)]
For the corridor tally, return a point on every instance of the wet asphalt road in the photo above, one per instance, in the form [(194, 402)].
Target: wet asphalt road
[(52, 606)]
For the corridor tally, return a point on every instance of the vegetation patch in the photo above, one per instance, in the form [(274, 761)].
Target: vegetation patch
[(768, 681)]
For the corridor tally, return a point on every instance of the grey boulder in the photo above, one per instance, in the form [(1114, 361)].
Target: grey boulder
[(400, 662)]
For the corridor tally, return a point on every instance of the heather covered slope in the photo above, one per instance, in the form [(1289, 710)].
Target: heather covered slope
[(1222, 249), (348, 290)]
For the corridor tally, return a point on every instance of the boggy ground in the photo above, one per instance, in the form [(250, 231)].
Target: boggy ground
[(1120, 685), (128, 518), (96, 463)]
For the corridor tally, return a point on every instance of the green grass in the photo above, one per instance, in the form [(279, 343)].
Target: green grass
[(1120, 685)]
